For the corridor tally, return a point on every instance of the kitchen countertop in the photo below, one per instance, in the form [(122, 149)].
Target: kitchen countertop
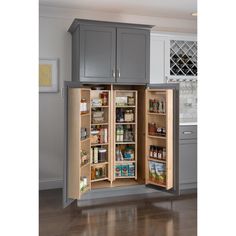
[(188, 123)]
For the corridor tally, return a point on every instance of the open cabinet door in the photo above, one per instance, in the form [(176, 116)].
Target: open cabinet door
[(74, 170), (161, 142)]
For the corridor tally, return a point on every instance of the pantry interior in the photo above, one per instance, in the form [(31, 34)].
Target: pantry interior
[(120, 135)]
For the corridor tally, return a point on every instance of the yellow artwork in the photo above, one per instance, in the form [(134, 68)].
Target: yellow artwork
[(45, 75)]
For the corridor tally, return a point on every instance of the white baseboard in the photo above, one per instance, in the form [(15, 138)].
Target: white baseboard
[(50, 184)]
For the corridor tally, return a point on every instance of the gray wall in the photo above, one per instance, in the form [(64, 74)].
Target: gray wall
[(55, 42)]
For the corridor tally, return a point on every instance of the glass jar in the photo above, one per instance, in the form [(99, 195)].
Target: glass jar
[(83, 106)]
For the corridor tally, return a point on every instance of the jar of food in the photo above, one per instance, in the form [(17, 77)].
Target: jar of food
[(102, 154), (83, 106), (93, 174), (150, 105), (164, 153), (85, 181), (155, 106), (131, 101), (104, 97), (152, 128)]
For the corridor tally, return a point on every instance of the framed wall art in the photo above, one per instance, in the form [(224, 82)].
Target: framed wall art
[(48, 75)]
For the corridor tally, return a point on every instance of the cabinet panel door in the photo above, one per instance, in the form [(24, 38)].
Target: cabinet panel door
[(162, 171), (188, 163), (97, 54), (73, 171), (133, 55)]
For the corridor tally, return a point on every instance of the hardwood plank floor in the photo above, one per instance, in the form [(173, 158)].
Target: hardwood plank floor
[(147, 217)]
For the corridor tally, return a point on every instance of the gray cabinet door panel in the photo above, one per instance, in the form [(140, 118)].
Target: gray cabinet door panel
[(97, 53), (188, 162), (133, 46), (188, 132)]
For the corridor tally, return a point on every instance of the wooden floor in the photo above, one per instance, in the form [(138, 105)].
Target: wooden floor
[(148, 217)]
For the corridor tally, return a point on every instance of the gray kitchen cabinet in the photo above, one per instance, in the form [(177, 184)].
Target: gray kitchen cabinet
[(111, 52), (133, 55), (188, 157), (97, 53)]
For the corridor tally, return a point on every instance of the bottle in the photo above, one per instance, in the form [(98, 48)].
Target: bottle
[(155, 106), (155, 152), (121, 134), (150, 151), (105, 99), (159, 155), (150, 105), (118, 134), (164, 153)]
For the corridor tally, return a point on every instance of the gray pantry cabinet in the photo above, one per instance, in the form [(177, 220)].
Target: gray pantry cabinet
[(110, 52), (188, 157)]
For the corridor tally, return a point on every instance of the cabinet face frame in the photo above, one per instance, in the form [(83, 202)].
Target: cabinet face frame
[(68, 85)]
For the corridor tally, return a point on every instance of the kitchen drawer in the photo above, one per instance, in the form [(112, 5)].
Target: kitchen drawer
[(188, 132)]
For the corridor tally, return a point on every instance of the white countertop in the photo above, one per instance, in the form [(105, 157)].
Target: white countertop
[(188, 123)]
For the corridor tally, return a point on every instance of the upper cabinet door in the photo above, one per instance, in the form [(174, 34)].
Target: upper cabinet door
[(97, 53), (133, 49)]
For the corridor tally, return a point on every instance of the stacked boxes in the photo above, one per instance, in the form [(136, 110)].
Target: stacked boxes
[(125, 170)]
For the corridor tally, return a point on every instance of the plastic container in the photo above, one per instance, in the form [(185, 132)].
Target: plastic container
[(102, 152)]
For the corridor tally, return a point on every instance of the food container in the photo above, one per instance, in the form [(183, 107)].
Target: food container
[(94, 136), (98, 116), (102, 152), (96, 102), (118, 170), (121, 101), (131, 101)]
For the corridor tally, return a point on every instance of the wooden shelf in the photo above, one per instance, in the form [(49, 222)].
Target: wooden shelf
[(99, 106), (101, 179), (125, 143), (99, 124), (156, 183), (99, 144), (99, 163), (85, 114), (87, 164), (85, 140), (125, 177), (123, 162), (158, 137), (126, 106), (157, 114), (126, 123), (156, 159)]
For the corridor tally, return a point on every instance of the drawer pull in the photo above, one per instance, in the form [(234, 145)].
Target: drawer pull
[(187, 132)]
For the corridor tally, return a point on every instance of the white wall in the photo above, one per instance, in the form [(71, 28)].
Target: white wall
[(55, 42)]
